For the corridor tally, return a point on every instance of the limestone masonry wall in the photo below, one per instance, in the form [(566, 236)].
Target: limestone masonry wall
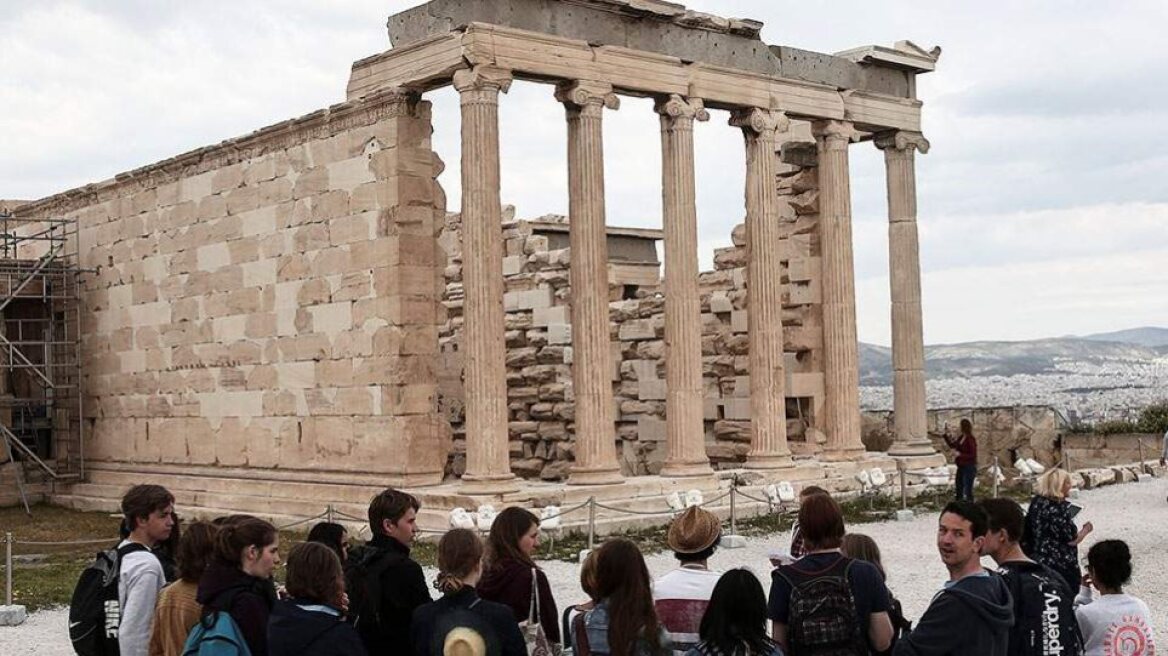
[(539, 351), (269, 303)]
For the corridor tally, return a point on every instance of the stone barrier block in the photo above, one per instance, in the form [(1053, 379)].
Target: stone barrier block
[(732, 542), (13, 615)]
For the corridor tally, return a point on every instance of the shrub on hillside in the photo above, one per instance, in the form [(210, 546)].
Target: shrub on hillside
[(1115, 427), (1154, 418)]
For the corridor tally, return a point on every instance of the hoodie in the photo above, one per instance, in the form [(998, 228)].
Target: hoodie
[(509, 582), (972, 617), (250, 606), (299, 627)]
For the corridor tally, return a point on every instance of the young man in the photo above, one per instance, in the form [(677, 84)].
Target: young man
[(681, 596), (1044, 615), (149, 516), (844, 599), (383, 583), (973, 613)]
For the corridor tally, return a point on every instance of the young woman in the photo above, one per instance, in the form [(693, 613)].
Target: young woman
[(247, 550), (965, 445), (512, 544), (311, 621), (1115, 622), (178, 609), (435, 625), (735, 620), (863, 547), (624, 622), (1050, 536), (334, 536)]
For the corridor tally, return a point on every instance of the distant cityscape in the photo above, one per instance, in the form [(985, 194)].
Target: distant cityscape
[(1088, 379)]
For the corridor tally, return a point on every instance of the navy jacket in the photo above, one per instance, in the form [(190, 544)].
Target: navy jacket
[(970, 618), (299, 627)]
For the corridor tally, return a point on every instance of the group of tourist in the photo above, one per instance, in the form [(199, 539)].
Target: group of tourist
[(828, 595)]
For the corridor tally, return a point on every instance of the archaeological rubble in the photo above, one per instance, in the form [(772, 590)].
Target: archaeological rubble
[(293, 318)]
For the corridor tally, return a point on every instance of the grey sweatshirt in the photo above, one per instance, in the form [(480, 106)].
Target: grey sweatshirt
[(139, 583)]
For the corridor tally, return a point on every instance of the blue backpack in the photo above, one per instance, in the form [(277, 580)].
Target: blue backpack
[(216, 634)]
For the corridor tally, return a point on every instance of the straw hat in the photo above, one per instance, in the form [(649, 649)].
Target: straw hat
[(464, 641), (694, 530)]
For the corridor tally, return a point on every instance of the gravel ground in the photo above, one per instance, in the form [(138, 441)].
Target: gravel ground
[(1136, 513)]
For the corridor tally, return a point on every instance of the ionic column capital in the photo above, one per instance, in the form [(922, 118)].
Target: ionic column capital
[(902, 140), (834, 133), (483, 77), (582, 94), (679, 108), (760, 121)]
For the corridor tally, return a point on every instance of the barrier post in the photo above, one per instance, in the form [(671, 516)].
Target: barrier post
[(591, 522), (903, 485), (733, 514), (329, 513), (996, 473), (1140, 442), (8, 568)]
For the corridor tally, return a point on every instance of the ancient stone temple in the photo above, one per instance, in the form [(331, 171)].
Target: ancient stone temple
[(292, 318)]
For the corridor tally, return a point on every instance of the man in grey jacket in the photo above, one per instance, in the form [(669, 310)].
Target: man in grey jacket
[(973, 612), (149, 516)]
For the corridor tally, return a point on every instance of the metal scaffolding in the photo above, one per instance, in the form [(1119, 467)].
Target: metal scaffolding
[(40, 346)]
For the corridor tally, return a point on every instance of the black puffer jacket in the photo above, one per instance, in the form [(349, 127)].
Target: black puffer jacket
[(300, 627)]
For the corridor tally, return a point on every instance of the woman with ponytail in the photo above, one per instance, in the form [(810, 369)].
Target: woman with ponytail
[(459, 617), (238, 580), (1113, 622)]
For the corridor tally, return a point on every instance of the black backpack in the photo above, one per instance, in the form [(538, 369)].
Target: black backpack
[(1044, 614), (95, 611), (363, 585), (822, 617)]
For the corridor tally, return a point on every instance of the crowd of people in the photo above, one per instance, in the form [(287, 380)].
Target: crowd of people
[(214, 585)]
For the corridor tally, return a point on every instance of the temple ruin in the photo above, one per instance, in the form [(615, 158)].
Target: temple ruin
[(292, 318)]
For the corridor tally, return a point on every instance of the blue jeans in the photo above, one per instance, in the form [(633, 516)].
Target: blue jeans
[(965, 476)]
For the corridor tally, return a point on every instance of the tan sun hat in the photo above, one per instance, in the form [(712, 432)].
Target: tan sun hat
[(693, 530), (464, 641)]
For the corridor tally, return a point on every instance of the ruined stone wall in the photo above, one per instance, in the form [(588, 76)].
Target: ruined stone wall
[(269, 303), (539, 351), (1006, 432)]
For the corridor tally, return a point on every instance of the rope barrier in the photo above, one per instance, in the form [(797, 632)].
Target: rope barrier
[(34, 543)]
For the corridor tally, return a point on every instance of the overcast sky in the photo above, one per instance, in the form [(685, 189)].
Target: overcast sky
[(1043, 204)]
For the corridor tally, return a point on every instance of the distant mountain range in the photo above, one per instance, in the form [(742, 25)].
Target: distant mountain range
[(1039, 356)]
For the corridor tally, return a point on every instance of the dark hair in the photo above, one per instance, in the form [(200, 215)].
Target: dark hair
[(736, 616), (972, 513), (330, 535), (697, 557), (241, 532), (966, 428), (141, 500), (195, 550), (1110, 563), (509, 526), (811, 490), (623, 579), (390, 504), (821, 521), (1004, 514), (862, 547), (460, 551), (314, 573)]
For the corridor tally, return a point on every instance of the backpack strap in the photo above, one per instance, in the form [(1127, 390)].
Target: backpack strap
[(581, 646)]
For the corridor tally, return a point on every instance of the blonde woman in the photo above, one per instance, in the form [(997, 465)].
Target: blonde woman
[(1050, 537)]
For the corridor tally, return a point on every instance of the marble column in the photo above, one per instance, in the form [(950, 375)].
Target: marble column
[(488, 466), (764, 290), (684, 421), (904, 265), (592, 365), (840, 346)]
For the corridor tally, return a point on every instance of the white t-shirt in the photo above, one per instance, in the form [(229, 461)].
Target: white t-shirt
[(139, 583), (680, 598), (1115, 625)]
